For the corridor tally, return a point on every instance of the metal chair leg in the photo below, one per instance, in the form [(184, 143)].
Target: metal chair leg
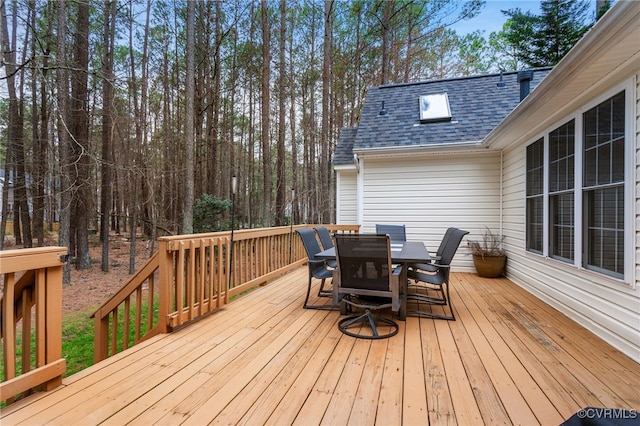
[(306, 300), (370, 320)]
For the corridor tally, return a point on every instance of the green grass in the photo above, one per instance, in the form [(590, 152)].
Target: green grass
[(77, 341), (78, 336), (77, 345)]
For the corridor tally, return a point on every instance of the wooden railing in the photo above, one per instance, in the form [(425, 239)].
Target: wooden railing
[(189, 277), (31, 320), (192, 276)]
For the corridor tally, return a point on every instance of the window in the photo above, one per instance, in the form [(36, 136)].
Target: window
[(594, 237), (603, 187), (535, 192), (561, 184)]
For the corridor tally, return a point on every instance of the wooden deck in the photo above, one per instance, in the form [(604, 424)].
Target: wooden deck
[(508, 359)]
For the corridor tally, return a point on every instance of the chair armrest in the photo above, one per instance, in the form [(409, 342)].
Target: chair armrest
[(317, 265), (428, 275), (431, 267), (439, 266)]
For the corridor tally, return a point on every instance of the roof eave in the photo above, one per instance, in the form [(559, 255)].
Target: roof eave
[(344, 166), (440, 148)]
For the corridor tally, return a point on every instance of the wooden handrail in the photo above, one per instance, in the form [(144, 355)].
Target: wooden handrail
[(32, 289), (194, 277), (115, 315)]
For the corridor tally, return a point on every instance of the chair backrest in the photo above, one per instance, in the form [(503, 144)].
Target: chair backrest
[(396, 233), (309, 242), (451, 246), (443, 242), (325, 237), (364, 263)]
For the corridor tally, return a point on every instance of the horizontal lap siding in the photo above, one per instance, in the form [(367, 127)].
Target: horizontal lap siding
[(513, 199), (637, 186), (347, 198), (605, 306), (430, 193)]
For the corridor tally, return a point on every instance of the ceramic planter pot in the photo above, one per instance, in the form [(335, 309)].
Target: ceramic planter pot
[(489, 266)]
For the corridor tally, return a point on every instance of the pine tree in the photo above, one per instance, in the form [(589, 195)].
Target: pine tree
[(543, 40)]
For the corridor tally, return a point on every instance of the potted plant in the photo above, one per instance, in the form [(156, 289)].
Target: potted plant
[(488, 254)]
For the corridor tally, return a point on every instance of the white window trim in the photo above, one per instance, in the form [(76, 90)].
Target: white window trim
[(630, 180), (629, 280), (360, 192)]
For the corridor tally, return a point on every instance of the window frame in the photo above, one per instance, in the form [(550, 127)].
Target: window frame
[(531, 199), (579, 190), (556, 195)]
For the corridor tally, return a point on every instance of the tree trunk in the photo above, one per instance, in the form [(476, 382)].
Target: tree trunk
[(266, 146), (213, 186), (15, 133), (79, 122), (385, 23), (188, 200), (63, 135), (233, 162), (295, 214), (325, 162), (39, 121), (281, 178), (106, 171), (147, 189)]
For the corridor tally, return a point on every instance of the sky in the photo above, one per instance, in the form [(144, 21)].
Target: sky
[(491, 18)]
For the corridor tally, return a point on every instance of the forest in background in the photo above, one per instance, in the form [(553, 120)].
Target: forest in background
[(119, 114)]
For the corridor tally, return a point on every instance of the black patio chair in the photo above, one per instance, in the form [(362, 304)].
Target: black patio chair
[(438, 254), (365, 279), (396, 233), (317, 267), (327, 243), (432, 286)]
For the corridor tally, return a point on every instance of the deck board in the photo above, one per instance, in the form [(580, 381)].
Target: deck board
[(508, 359), (440, 395), (414, 408)]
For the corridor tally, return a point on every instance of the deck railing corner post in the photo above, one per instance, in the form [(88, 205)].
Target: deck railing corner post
[(165, 274)]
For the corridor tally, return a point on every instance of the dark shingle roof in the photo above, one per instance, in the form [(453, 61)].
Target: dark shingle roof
[(344, 147), (477, 106)]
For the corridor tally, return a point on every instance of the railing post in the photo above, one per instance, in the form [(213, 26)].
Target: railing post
[(39, 290), (8, 326), (165, 278), (100, 337), (227, 283), (53, 289)]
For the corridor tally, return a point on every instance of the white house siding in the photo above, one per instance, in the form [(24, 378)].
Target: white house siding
[(431, 192), (347, 197), (637, 185), (606, 306)]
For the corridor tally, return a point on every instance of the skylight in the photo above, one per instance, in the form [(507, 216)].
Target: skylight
[(434, 107)]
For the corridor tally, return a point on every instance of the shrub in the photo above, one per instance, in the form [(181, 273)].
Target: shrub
[(207, 212)]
